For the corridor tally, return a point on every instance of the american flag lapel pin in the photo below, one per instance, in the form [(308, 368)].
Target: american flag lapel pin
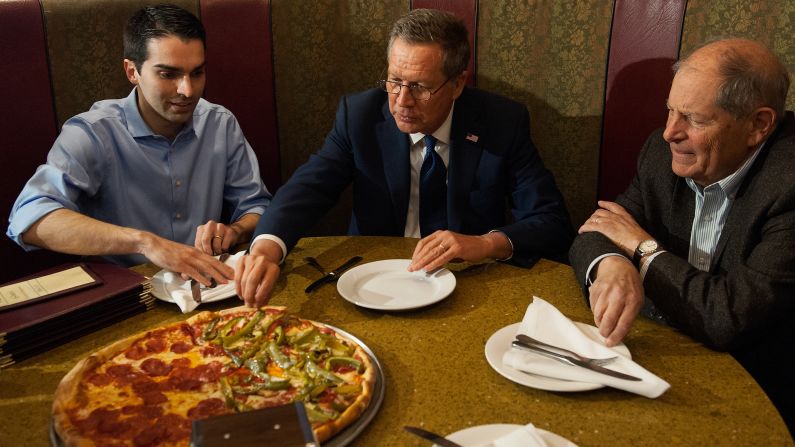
[(472, 137)]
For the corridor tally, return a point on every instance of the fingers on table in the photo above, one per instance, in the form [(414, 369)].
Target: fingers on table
[(255, 277), (433, 252)]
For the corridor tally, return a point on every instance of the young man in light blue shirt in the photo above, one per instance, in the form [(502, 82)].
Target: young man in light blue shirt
[(148, 176)]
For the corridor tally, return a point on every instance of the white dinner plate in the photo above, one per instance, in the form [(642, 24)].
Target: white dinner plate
[(165, 282), (500, 342), (387, 285), (484, 435)]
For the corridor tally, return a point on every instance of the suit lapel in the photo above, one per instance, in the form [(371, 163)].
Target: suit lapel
[(394, 146), (466, 137), (683, 208)]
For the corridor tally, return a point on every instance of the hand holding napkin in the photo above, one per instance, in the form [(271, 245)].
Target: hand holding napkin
[(526, 436), (179, 289), (544, 322)]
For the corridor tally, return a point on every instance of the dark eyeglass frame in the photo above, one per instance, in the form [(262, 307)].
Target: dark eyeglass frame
[(413, 89)]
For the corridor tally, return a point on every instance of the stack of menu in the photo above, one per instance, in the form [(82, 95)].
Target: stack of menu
[(57, 305)]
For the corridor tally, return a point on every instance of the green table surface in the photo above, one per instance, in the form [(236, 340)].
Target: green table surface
[(436, 372)]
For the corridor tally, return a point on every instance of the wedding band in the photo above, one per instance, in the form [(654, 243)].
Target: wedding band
[(218, 237), (442, 247), (596, 220)]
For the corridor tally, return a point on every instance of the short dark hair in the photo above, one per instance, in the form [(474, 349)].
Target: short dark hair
[(155, 22), (435, 26)]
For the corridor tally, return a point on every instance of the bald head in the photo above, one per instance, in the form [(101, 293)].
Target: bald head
[(748, 74)]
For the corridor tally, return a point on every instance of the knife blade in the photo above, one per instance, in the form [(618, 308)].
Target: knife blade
[(569, 360), (195, 291), (334, 274), (431, 436)]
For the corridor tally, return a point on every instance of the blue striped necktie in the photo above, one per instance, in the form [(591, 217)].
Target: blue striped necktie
[(433, 190)]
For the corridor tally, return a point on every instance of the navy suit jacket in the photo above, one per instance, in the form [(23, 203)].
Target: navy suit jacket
[(492, 163)]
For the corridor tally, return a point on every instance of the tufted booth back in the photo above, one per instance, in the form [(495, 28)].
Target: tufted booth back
[(593, 73)]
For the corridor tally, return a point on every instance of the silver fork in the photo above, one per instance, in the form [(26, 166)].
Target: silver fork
[(598, 362)]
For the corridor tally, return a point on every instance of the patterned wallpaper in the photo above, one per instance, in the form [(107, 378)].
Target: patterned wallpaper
[(324, 49), (551, 56), (771, 22)]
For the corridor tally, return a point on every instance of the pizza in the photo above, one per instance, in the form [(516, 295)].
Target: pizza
[(147, 389)]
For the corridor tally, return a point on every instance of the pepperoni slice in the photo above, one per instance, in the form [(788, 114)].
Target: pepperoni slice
[(155, 345), (150, 435), (135, 352), (99, 379), (155, 367), (181, 362), (153, 397), (207, 408), (181, 347), (212, 351)]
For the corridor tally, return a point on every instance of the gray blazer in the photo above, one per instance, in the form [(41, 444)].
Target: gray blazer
[(745, 303)]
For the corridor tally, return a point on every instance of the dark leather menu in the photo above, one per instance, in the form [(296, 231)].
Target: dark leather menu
[(36, 327)]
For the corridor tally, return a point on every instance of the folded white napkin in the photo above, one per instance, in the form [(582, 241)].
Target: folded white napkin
[(180, 293), (544, 322), (527, 436)]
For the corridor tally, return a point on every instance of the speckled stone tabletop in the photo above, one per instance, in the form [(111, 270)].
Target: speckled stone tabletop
[(436, 372)]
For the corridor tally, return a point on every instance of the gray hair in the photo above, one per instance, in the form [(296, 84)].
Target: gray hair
[(423, 26), (747, 84)]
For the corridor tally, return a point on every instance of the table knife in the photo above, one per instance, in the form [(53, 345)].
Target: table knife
[(195, 290), (430, 436), (334, 274), (569, 360)]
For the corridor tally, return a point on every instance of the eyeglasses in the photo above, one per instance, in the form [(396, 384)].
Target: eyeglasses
[(417, 91)]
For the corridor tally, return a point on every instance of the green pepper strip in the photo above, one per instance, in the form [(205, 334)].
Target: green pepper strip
[(229, 340), (224, 331), (305, 336), (209, 332), (344, 361), (315, 371), (282, 360), (318, 415), (226, 390), (271, 383), (279, 332)]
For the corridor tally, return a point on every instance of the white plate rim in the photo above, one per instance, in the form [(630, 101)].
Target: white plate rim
[(500, 342), (496, 430), (160, 291), (345, 284)]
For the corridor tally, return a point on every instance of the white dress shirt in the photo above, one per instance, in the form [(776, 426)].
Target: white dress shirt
[(416, 157)]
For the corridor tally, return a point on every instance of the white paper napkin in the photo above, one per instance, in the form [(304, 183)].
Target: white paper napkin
[(527, 436), (180, 292), (544, 322)]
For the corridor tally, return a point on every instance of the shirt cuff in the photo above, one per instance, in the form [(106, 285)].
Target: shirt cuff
[(273, 238), (588, 280), (510, 242), (645, 262)]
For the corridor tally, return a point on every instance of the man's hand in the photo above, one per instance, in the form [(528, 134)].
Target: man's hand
[(257, 272), (612, 220), (616, 298), (186, 260), (441, 247), (215, 238)]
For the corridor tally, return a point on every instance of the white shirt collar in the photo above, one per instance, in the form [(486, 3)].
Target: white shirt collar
[(442, 134)]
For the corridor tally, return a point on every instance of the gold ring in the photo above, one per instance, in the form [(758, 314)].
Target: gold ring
[(442, 247), (218, 237)]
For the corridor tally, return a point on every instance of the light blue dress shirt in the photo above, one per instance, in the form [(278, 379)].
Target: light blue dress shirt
[(108, 164), (713, 203)]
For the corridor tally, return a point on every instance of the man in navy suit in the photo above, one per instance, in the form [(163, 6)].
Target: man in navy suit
[(428, 158)]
